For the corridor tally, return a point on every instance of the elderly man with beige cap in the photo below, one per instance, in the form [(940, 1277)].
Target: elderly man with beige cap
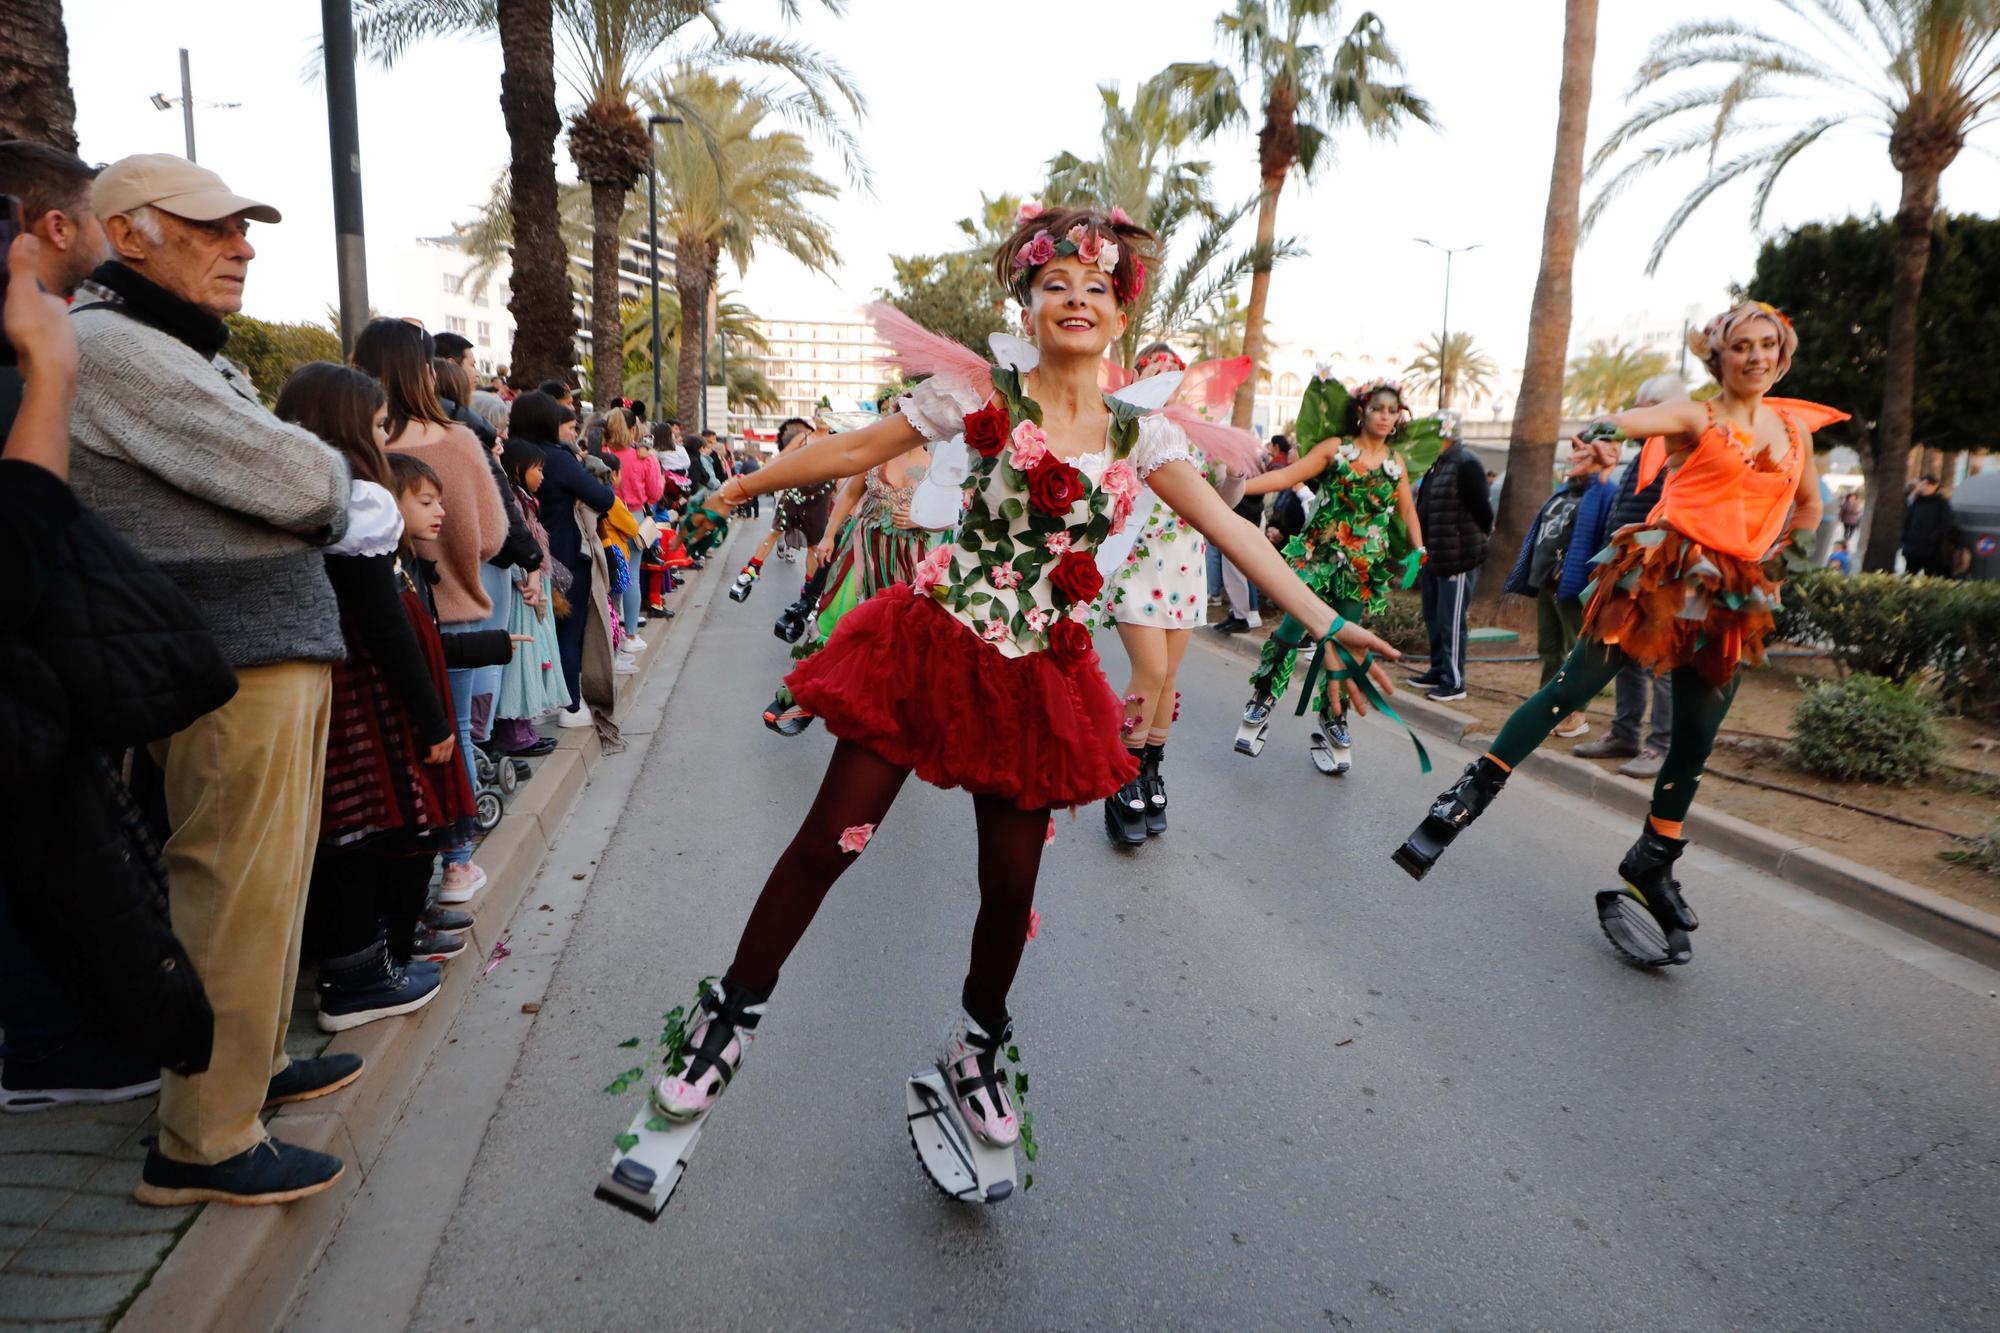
[(173, 448)]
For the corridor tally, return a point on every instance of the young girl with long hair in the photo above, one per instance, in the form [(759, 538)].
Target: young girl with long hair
[(531, 683), (980, 673), (1690, 594), (394, 791), (1347, 554), (398, 354)]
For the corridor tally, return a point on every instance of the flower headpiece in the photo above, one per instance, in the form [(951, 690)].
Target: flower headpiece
[(1095, 246), (1165, 354), (1364, 392)]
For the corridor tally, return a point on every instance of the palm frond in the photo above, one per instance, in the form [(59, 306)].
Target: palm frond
[(1781, 157), (386, 29)]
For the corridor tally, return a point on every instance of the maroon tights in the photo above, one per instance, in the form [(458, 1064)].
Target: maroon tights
[(859, 788)]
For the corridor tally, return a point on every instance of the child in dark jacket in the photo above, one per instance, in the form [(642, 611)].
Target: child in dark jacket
[(394, 789)]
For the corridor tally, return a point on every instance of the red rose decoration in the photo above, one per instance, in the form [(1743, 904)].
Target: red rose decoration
[(1053, 486), (986, 430), (1069, 642), (1076, 577)]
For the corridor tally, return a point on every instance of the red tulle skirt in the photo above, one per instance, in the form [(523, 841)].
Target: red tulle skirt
[(904, 678)]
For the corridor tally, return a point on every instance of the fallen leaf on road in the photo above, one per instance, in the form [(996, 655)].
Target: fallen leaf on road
[(576, 876), (500, 950), (1348, 1042), (531, 1008)]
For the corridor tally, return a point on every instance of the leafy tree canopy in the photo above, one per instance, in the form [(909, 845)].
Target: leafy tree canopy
[(951, 294), (271, 352), (1834, 280)]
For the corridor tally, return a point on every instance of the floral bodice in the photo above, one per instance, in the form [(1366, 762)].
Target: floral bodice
[(1344, 551), (1022, 572)]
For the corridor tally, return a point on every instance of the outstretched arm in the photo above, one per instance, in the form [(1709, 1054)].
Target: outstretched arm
[(1188, 494), (1305, 469), (824, 459), (1683, 416)]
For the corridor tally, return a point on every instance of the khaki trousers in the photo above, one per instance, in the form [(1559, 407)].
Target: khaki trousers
[(243, 796)]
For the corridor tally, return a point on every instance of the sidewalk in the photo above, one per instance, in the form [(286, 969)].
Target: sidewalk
[(78, 1253)]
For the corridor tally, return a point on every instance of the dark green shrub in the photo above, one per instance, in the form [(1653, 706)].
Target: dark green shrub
[(1403, 624), (1794, 618), (1982, 853), (1865, 728), (1968, 659), (1890, 625)]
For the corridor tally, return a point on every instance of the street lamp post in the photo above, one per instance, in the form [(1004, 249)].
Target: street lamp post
[(1444, 338), (344, 139), (162, 102), (653, 242)]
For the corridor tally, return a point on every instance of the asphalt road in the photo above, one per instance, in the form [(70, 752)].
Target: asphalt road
[(1277, 1084)]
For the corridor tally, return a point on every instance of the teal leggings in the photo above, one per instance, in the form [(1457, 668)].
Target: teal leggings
[(1699, 708)]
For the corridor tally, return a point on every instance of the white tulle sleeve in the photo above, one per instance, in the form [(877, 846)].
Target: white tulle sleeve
[(374, 523), (1160, 442), (939, 406)]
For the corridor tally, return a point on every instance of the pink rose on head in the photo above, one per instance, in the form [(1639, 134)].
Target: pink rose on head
[(1036, 252), (855, 837), (1027, 212), (1057, 544), (1120, 217), (931, 570), (1031, 446), (1004, 577), (1107, 257), (1089, 245)]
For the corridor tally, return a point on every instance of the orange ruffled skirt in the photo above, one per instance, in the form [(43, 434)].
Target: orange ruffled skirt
[(1666, 601), (903, 677)]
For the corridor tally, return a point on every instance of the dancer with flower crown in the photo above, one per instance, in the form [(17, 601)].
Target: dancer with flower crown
[(980, 673), (1690, 593), (1361, 539)]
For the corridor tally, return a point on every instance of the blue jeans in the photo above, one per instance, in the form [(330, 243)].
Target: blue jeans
[(463, 687), (1214, 570), (499, 586), (628, 606)]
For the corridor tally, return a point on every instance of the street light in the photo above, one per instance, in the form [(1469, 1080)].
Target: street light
[(653, 241), (162, 102), (1444, 338), (343, 126)]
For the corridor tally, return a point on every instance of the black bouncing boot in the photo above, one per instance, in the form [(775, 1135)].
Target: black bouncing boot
[(1156, 789), (1659, 937), (791, 622), (1125, 810), (1456, 806)]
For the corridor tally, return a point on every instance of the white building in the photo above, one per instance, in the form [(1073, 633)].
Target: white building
[(431, 280), (805, 361)]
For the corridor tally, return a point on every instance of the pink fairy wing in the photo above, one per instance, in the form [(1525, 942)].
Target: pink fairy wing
[(1237, 450), (1112, 377), (1211, 385), (915, 350)]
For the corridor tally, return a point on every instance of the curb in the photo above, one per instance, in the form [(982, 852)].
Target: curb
[(1930, 916), (241, 1268)]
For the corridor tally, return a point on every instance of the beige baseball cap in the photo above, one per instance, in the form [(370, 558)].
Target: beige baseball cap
[(172, 185)]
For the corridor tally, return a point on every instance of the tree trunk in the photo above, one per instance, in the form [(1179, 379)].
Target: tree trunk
[(35, 98), (542, 307), (607, 323), (691, 261), (1538, 408), (1260, 293), (1888, 465)]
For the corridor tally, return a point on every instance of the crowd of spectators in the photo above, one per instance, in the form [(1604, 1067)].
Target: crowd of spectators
[(256, 660)]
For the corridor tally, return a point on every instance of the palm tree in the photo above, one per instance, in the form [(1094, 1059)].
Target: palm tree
[(610, 45), (1304, 90), (1139, 168), (1531, 447), (1606, 378), (34, 52), (725, 186), (544, 322), (1456, 370), (1925, 73)]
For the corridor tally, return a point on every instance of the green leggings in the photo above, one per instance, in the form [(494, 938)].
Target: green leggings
[(1699, 708), (1273, 675)]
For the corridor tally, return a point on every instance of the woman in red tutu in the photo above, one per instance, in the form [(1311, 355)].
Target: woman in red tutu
[(980, 673), (1688, 593)]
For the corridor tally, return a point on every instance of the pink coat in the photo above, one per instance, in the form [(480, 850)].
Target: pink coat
[(640, 483)]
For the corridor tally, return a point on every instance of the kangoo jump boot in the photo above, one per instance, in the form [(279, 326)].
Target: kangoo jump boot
[(1456, 806), (1155, 784), (1648, 872), (1125, 812)]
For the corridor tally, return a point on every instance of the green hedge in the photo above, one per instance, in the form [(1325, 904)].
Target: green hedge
[(1901, 627), (1402, 624), (1866, 728)]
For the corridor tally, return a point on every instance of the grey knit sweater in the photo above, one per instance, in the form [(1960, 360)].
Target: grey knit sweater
[(180, 457)]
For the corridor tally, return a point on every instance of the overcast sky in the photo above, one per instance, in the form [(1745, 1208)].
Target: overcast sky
[(958, 104)]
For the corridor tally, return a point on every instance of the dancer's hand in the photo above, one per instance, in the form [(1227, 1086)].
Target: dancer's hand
[(1361, 641), (900, 517)]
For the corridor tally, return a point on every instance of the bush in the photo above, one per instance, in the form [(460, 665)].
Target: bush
[(1794, 618), (1983, 853), (1402, 624), (1866, 728), (1889, 625), (1968, 659)]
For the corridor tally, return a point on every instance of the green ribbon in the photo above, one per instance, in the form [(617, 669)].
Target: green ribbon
[(1358, 673)]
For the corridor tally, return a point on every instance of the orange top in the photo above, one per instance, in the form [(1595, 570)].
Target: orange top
[(1728, 495)]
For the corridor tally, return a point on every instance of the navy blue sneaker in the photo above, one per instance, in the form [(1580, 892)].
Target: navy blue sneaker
[(78, 1073), (365, 986), (303, 1080), (271, 1172)]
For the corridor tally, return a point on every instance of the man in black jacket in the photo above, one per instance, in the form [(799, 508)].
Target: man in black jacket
[(1930, 532), (1457, 517)]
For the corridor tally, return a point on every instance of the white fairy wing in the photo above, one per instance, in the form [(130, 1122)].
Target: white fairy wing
[(1015, 354), (1150, 394), (1112, 551), (940, 496)]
